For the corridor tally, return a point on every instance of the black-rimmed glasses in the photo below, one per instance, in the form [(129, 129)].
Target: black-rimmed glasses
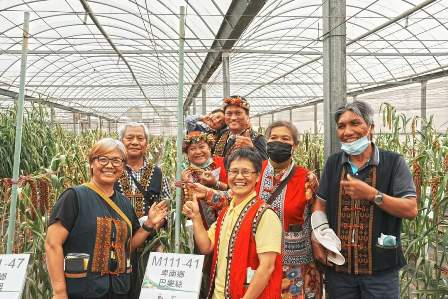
[(103, 160)]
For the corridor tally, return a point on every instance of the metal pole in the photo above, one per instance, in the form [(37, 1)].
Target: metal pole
[(226, 74), (290, 115), (74, 122), (423, 100), (315, 118), (334, 42), (52, 115), (18, 138), (180, 126), (204, 100), (194, 106)]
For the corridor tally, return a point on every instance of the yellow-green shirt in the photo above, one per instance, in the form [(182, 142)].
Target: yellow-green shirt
[(268, 238)]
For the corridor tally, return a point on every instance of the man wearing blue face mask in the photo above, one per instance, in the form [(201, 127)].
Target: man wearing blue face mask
[(365, 192)]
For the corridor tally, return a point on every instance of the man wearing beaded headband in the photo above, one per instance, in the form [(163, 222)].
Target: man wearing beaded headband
[(141, 182), (239, 133)]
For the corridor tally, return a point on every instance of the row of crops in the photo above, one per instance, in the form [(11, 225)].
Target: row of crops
[(53, 159)]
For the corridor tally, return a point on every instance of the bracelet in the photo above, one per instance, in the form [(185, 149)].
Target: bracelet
[(147, 228)]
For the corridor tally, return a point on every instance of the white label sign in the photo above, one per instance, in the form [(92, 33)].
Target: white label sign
[(172, 276), (12, 275)]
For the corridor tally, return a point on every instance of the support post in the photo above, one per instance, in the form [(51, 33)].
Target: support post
[(315, 118), (194, 106), (52, 115), (423, 100), (180, 127), (334, 85), (290, 115), (18, 138), (74, 122), (204, 100), (226, 74)]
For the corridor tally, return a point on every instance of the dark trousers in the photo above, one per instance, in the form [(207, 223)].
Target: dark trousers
[(138, 272), (384, 285), (109, 295)]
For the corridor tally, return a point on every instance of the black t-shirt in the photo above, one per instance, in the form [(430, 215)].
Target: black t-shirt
[(66, 211)]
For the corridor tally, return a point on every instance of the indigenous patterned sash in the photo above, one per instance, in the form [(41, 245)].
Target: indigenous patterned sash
[(296, 246), (135, 196), (355, 228)]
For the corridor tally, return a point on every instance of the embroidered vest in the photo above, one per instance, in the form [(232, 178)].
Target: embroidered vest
[(150, 181), (242, 241), (100, 232), (226, 146), (360, 223)]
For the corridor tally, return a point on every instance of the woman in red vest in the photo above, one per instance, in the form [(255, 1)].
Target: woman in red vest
[(204, 169), (290, 190), (245, 239)]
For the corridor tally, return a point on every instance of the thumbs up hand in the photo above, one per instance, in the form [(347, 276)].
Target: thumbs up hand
[(191, 209), (357, 189)]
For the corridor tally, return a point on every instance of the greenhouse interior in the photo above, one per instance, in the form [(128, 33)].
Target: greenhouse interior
[(73, 72)]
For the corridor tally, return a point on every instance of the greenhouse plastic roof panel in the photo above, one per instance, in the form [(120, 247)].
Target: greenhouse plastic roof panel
[(383, 48), (122, 58), (72, 62)]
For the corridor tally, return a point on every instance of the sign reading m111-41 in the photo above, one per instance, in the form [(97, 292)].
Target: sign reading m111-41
[(172, 276), (12, 275)]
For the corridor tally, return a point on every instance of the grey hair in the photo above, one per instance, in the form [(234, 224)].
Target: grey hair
[(360, 108), (106, 145), (123, 128), (283, 123)]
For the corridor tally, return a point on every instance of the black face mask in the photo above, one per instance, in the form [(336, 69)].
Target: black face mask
[(279, 151)]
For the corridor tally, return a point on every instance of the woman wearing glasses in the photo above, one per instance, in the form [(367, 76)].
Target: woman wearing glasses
[(245, 239), (93, 230), (290, 190)]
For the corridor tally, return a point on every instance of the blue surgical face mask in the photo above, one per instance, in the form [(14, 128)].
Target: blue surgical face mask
[(356, 147)]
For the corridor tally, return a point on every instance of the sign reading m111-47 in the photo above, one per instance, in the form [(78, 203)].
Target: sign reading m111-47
[(12, 275), (172, 276)]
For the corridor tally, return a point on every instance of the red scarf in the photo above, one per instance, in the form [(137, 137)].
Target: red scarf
[(247, 255)]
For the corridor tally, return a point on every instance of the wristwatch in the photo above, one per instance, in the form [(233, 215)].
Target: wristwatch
[(147, 228), (378, 199)]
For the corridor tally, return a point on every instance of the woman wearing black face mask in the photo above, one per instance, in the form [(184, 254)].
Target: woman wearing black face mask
[(290, 190)]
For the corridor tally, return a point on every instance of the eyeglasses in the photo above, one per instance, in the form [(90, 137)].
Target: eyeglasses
[(244, 172), (103, 160)]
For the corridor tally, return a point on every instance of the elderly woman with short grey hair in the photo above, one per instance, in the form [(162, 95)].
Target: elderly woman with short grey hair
[(93, 230)]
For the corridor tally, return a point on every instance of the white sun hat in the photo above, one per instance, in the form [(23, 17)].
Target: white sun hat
[(327, 237)]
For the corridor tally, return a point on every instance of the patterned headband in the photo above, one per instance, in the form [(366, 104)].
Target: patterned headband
[(196, 137), (236, 101)]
